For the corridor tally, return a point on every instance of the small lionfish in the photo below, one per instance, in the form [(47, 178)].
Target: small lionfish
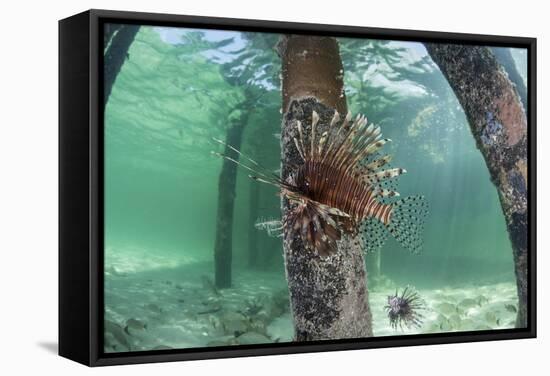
[(404, 309), (339, 185)]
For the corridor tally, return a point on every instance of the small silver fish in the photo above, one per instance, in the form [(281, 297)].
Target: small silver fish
[(511, 308), (209, 285), (134, 325), (154, 308), (118, 334)]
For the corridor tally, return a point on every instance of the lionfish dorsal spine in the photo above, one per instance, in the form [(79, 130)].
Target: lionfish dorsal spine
[(300, 151), (301, 138), (322, 142), (314, 121), (336, 137), (376, 164)]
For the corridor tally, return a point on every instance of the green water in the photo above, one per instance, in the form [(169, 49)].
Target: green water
[(179, 88)]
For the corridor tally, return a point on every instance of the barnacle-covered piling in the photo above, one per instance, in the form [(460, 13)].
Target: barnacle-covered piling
[(329, 296), (499, 125)]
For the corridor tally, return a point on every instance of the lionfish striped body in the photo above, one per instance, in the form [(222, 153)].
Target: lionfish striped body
[(405, 309), (323, 183), (339, 185)]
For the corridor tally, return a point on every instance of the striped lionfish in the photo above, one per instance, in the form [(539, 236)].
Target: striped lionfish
[(405, 309), (339, 185)]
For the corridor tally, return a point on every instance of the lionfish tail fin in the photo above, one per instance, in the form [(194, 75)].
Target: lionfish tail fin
[(407, 222), (373, 235)]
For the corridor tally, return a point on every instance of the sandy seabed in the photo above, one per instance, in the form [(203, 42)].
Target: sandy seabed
[(175, 305)]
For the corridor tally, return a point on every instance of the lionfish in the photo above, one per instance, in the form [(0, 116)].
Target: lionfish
[(404, 309), (339, 185)]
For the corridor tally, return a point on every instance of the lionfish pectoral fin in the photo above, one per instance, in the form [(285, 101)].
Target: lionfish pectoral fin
[(323, 249), (348, 225), (331, 222), (316, 224), (328, 210), (406, 223), (326, 238), (332, 233)]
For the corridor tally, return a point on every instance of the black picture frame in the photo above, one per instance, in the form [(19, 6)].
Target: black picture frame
[(81, 187)]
